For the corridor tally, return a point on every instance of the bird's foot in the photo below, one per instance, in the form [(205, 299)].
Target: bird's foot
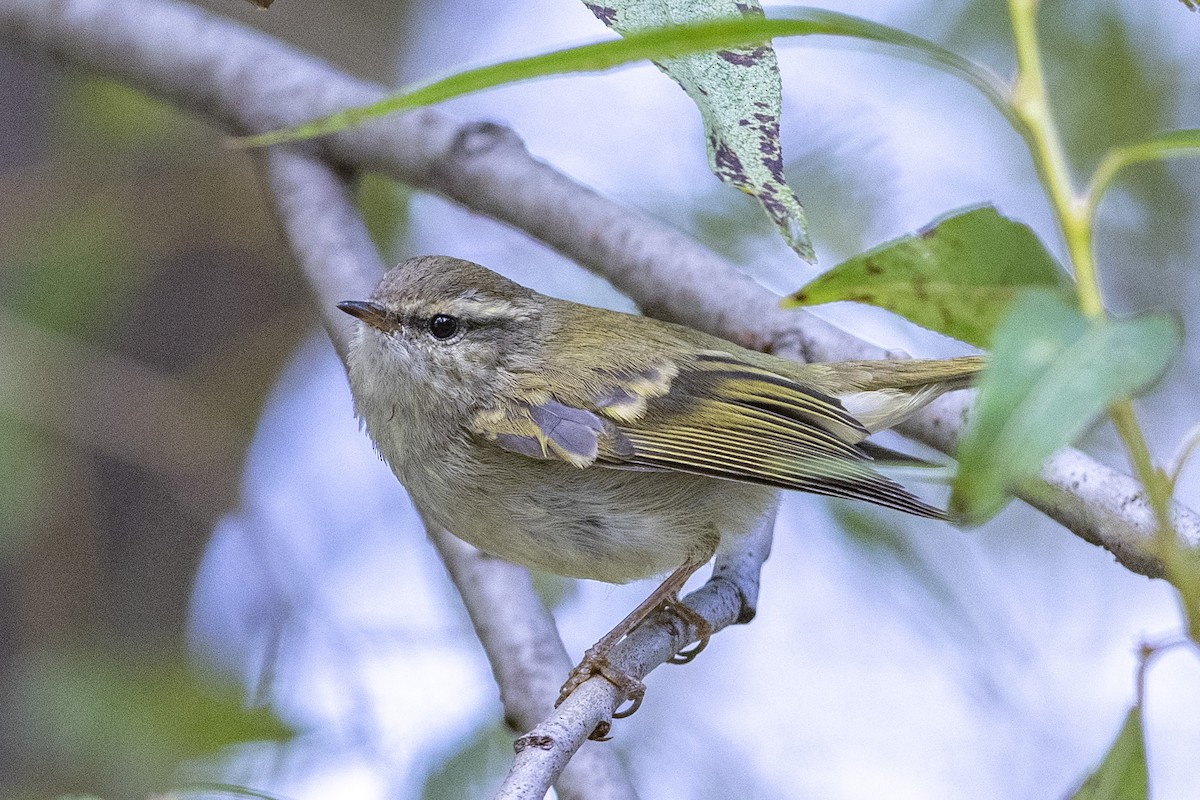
[(689, 617), (595, 662)]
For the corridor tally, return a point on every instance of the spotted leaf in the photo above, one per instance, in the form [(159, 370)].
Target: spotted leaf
[(957, 277), (738, 92)]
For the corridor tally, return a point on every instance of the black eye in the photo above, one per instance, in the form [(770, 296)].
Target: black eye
[(443, 326)]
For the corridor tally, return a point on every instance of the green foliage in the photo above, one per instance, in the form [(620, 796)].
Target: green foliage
[(74, 272), (957, 276), (109, 114), (1174, 144), (1096, 69), (130, 721), (25, 466), (1122, 775), (1052, 371), (1099, 68), (383, 204)]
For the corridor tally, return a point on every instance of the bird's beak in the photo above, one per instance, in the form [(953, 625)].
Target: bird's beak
[(373, 314)]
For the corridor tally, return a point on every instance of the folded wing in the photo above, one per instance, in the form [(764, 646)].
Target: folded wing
[(718, 416)]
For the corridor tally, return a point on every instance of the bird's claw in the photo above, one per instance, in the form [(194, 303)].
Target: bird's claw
[(702, 626), (594, 664), (597, 664)]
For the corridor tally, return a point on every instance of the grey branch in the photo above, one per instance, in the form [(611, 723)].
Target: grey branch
[(340, 262), (530, 663)]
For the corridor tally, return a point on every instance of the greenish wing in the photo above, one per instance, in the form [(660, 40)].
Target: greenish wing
[(718, 416), (729, 419)]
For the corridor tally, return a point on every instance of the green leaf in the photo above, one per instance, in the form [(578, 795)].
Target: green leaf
[(673, 41), (1051, 372), (1122, 775), (957, 276), (739, 96)]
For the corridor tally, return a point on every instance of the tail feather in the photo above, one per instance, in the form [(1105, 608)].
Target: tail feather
[(951, 373), (896, 391)]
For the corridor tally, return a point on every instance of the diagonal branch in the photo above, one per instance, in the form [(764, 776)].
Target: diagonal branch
[(248, 82)]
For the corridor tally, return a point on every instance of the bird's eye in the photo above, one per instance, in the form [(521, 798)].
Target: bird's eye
[(443, 326)]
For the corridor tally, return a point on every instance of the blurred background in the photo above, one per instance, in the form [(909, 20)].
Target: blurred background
[(207, 577)]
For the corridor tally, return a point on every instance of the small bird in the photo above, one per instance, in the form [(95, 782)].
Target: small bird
[(596, 444)]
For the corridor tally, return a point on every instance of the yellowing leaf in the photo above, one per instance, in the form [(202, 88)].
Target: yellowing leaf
[(957, 276)]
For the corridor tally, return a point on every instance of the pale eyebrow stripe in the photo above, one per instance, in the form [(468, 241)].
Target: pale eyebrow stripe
[(474, 308)]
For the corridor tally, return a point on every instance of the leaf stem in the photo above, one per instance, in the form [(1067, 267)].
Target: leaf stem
[(1174, 144), (1075, 214), (1030, 102)]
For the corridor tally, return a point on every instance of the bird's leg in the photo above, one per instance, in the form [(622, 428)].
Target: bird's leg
[(665, 597)]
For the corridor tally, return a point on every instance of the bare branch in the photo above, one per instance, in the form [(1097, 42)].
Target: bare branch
[(529, 663), (251, 83)]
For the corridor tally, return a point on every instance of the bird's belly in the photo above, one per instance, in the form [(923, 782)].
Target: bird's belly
[(608, 525)]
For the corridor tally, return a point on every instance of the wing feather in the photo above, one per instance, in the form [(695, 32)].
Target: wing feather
[(718, 416), (730, 419)]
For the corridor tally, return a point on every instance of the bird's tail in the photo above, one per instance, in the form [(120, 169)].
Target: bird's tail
[(898, 389)]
